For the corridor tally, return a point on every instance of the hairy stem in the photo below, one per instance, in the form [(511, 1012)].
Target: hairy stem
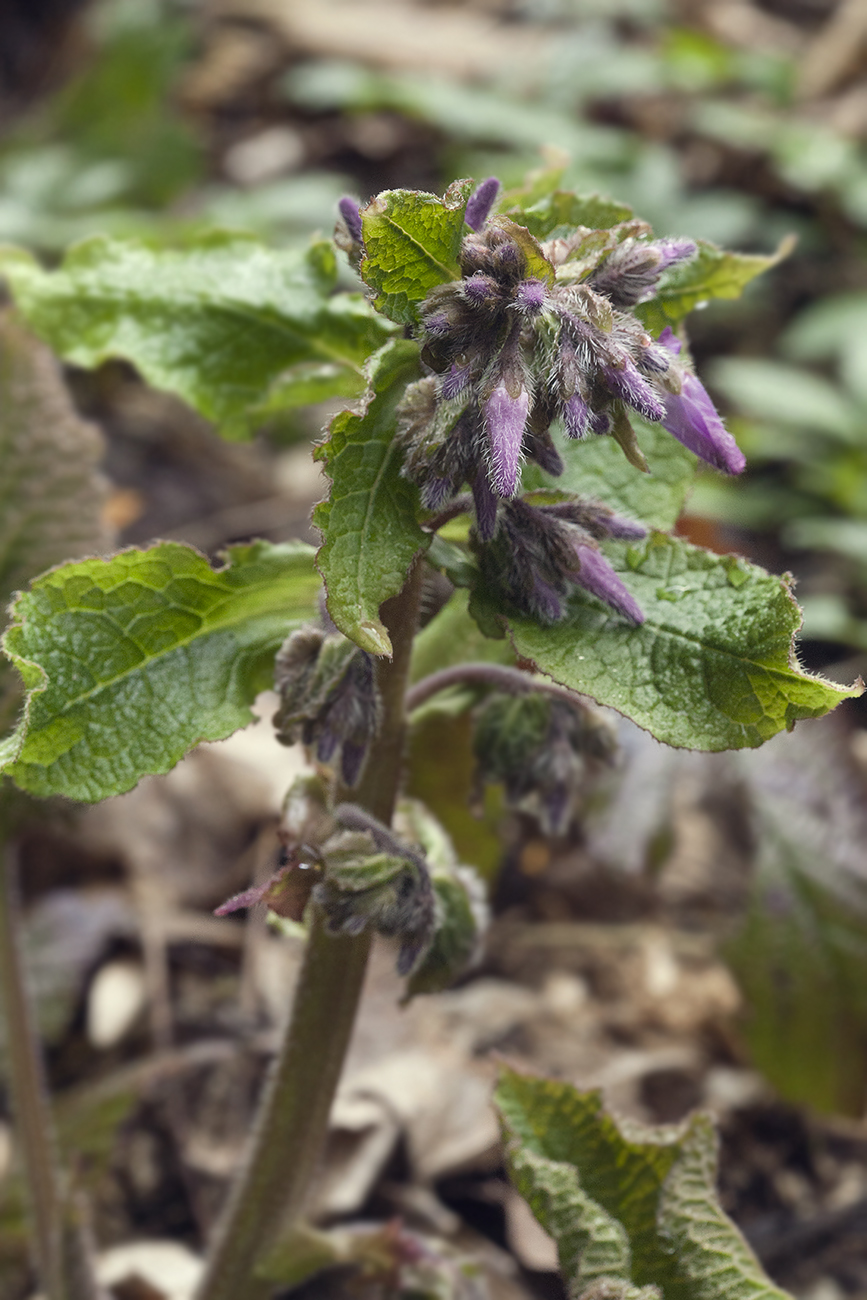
[(292, 1121), (29, 1094), (499, 676)]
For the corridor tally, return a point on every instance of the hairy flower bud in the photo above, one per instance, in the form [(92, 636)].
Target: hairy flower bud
[(691, 417), (539, 748), (480, 203), (329, 699), (505, 421)]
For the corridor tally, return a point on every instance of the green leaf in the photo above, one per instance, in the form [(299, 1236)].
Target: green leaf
[(712, 666), (597, 468), (131, 661), (712, 273), (369, 520), (411, 244), (800, 955), (226, 323), (628, 1204), (563, 208)]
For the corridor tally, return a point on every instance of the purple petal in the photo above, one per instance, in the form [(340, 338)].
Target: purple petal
[(480, 203), (455, 381), (530, 296), (669, 340), (692, 418), (673, 250), (597, 576), (350, 213), (505, 421), (625, 530), (486, 508), (576, 417), (633, 388)]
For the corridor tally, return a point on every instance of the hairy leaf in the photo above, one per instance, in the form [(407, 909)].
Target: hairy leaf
[(131, 661), (411, 244), (712, 273), (628, 1205), (712, 666), (369, 520), (229, 325)]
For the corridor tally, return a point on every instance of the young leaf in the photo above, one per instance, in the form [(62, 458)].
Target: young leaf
[(226, 323), (598, 469), (411, 244), (130, 661), (562, 208), (630, 1206), (712, 273), (712, 666), (369, 520)]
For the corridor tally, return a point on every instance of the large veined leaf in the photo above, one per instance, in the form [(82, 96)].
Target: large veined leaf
[(597, 469), (369, 524), (411, 244), (130, 661), (234, 328), (712, 666), (712, 273), (629, 1207)]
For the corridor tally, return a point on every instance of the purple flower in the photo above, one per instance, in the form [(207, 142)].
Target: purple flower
[(480, 203), (351, 215), (597, 576), (691, 417), (673, 250), (455, 381), (576, 416), (486, 508), (626, 382), (505, 421)]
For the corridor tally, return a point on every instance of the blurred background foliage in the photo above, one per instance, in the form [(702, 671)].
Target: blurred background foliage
[(737, 121)]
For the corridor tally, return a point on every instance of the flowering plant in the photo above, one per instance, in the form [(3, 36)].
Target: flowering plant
[(524, 434)]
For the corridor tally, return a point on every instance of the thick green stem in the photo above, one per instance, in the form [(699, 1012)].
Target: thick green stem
[(292, 1123), (29, 1095)]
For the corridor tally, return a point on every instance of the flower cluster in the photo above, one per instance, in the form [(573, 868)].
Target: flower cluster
[(542, 750), (328, 698), (531, 333)]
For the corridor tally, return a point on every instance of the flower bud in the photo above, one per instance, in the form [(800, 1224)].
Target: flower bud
[(505, 421), (597, 576), (691, 417), (329, 699), (480, 203)]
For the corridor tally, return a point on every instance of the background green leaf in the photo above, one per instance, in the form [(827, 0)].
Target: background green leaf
[(225, 323), (369, 520), (624, 1202), (51, 493), (711, 666), (131, 661), (411, 243)]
